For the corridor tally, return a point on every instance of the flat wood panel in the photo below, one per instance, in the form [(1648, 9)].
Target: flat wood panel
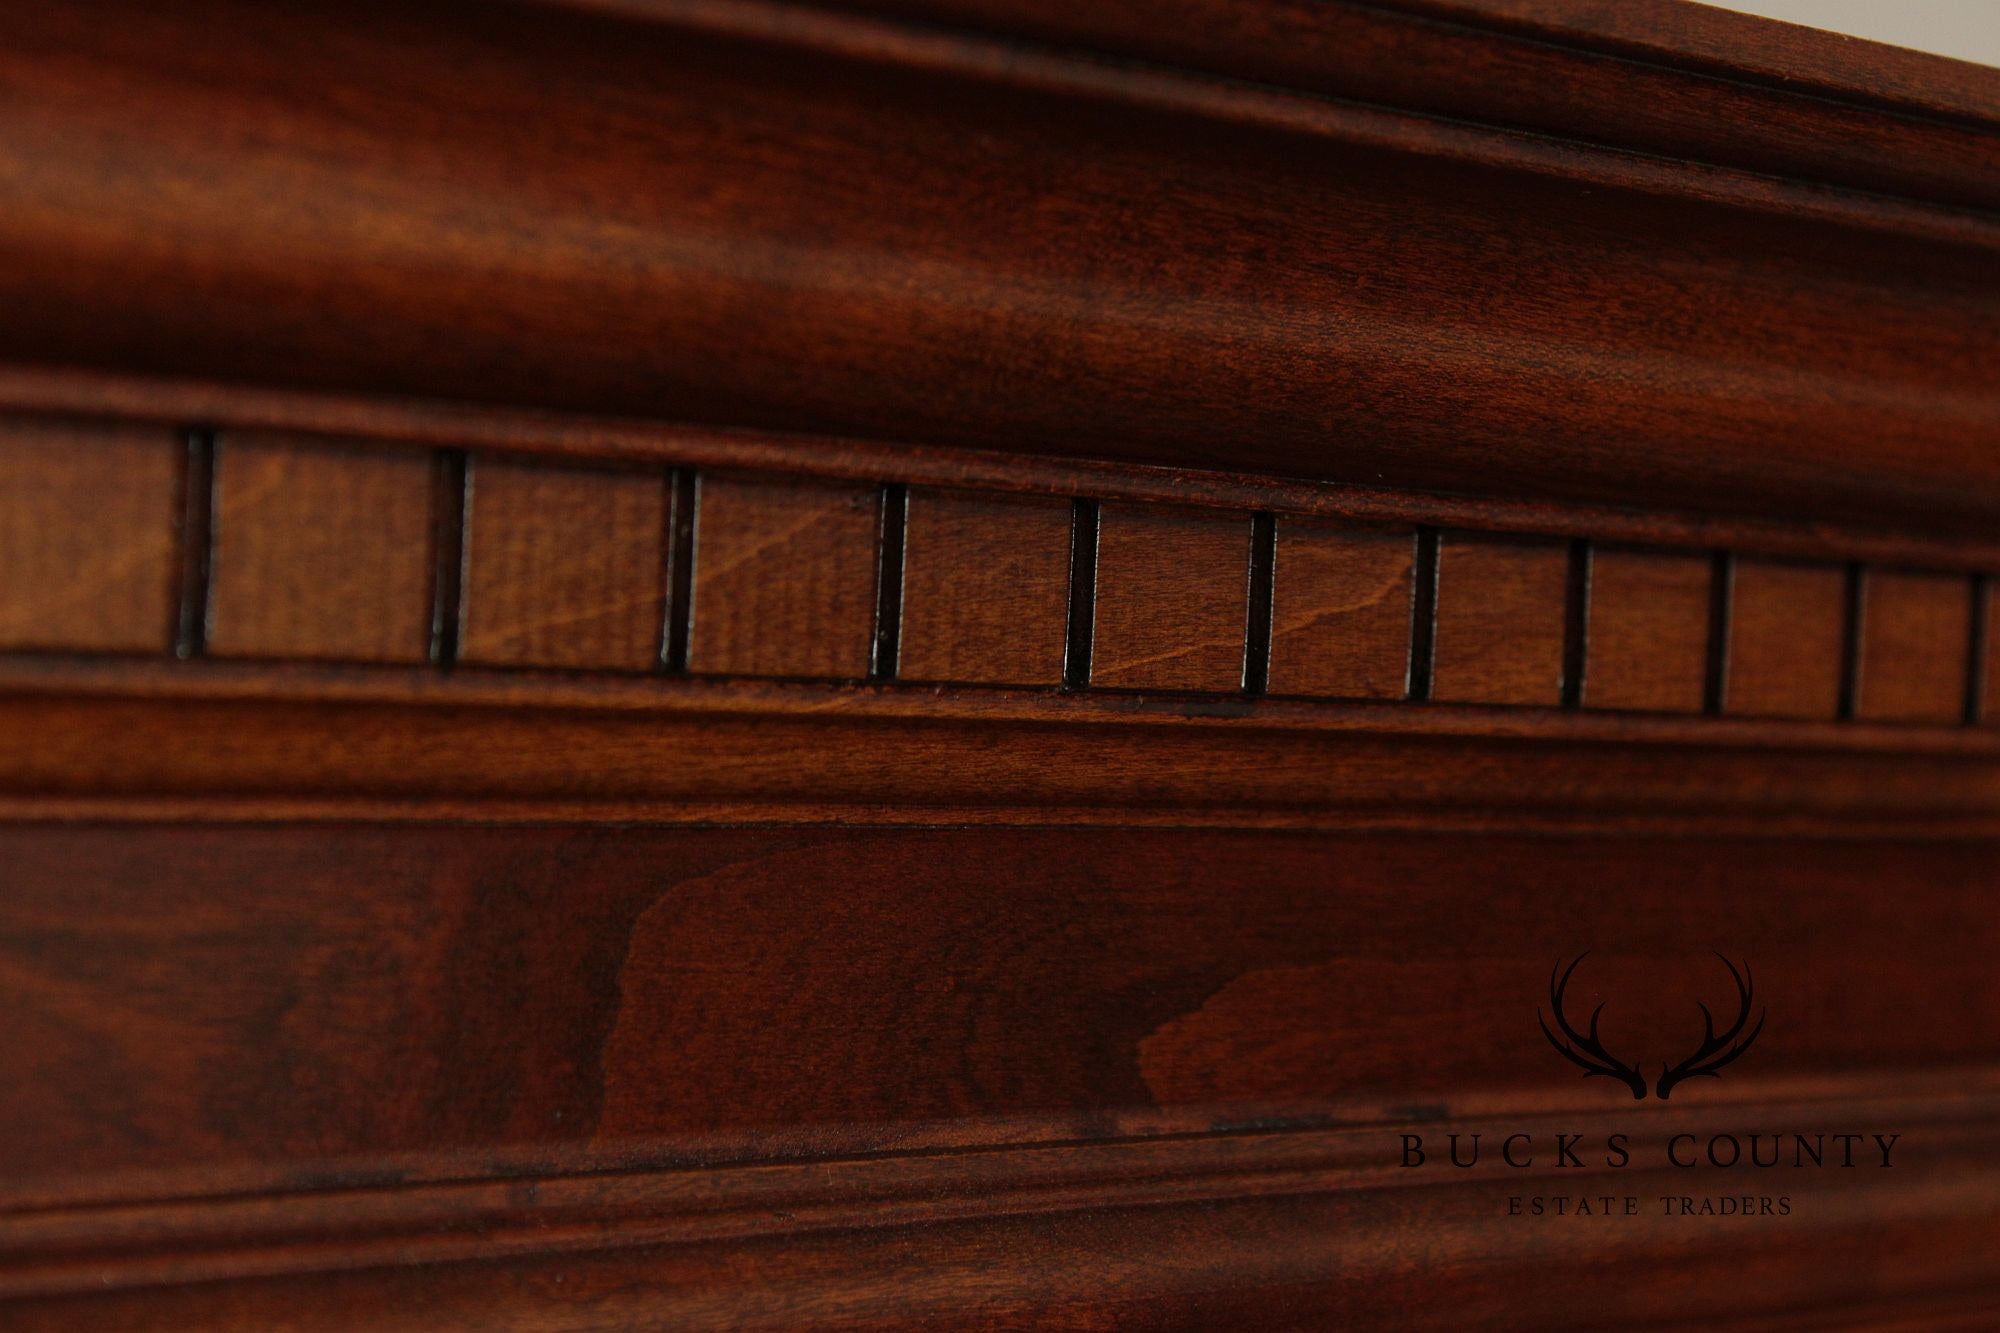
[(564, 567), (1787, 635), (985, 588), (1172, 600), (1916, 645), (87, 549), (1648, 631), (321, 551), (224, 1004), (1340, 610), (784, 579), (1500, 610)]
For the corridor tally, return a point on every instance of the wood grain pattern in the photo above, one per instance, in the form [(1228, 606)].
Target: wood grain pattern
[(1787, 631), (1639, 74), (564, 567), (1500, 608), (654, 997), (985, 588), (567, 568), (784, 579), (320, 552), (1340, 610), (821, 956), (1172, 600), (1916, 633), (1604, 317), (87, 544), (494, 428), (347, 743), (1273, 1227), (1648, 631)]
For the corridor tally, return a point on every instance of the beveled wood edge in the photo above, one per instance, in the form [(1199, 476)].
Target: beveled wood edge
[(444, 1212), (1818, 75), (63, 393), (1705, 36), (1001, 55), (762, 752), (55, 676)]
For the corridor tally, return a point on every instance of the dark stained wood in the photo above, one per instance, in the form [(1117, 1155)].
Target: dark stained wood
[(710, 214), (985, 588), (383, 746), (1642, 74), (1500, 608), (1172, 600), (1916, 633), (1989, 711), (1340, 610), (320, 551), (564, 567), (548, 437), (1299, 1241), (1648, 631), (784, 579), (1787, 630), (87, 550), (453, 996), (968, 860)]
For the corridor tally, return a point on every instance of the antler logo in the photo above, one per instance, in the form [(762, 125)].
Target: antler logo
[(1587, 1051)]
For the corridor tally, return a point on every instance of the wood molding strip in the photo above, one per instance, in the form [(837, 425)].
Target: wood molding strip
[(1308, 359), (1334, 1190)]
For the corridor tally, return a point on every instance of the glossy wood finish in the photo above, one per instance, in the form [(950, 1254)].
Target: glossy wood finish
[(985, 588), (784, 579), (320, 552), (385, 745), (522, 989), (734, 214), (1340, 612), (1787, 639), (1501, 605), (87, 542), (1258, 1228), (1915, 647), (734, 663), (564, 567), (1650, 621), (658, 997), (1172, 605)]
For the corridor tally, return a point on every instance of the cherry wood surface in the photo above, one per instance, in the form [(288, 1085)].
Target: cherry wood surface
[(1342, 599), (87, 548), (1788, 623), (939, 663), (784, 579), (1171, 592), (1916, 629), (319, 551), (985, 588), (1652, 619), (563, 567), (1500, 612), (748, 214)]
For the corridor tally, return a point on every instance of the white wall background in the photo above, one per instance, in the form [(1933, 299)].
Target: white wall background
[(1968, 29)]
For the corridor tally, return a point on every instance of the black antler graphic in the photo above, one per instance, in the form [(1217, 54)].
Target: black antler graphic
[(1594, 1060), (1716, 1050)]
